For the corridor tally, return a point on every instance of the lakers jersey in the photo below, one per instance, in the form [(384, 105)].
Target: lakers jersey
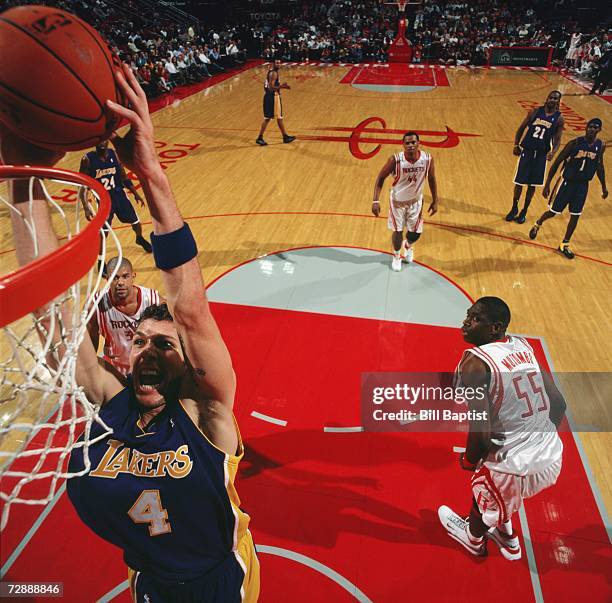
[(409, 178), (165, 496), (118, 328), (267, 87), (106, 170), (582, 163), (519, 408), (539, 135)]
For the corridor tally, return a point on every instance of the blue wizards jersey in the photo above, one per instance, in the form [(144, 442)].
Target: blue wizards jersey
[(106, 171), (165, 496), (540, 132), (582, 162)]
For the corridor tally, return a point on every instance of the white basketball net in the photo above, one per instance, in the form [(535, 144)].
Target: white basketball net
[(43, 412)]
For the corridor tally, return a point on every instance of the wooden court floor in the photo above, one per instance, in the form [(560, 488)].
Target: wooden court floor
[(243, 201)]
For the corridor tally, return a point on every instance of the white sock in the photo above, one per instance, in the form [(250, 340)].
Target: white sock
[(469, 532), (506, 528)]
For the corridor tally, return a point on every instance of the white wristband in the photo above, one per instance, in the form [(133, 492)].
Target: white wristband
[(376, 202)]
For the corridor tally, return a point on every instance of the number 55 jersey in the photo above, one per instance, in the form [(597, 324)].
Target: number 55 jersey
[(526, 439)]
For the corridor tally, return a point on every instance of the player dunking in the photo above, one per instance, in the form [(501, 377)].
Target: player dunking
[(516, 451), (103, 165), (272, 104), (582, 158), (161, 485), (540, 143), (410, 169), (118, 312)]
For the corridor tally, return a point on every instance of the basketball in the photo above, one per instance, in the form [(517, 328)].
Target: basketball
[(56, 74)]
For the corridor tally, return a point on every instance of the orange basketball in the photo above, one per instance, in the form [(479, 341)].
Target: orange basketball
[(56, 74)]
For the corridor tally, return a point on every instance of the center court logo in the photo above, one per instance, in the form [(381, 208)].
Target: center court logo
[(364, 133)]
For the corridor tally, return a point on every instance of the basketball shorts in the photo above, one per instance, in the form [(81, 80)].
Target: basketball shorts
[(408, 216), (226, 583), (272, 106), (500, 495), (531, 168), (570, 193), (123, 209)]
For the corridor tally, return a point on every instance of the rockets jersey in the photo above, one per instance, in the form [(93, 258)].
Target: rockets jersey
[(118, 328), (166, 496), (267, 87), (409, 178), (519, 408), (540, 132), (106, 171), (582, 163)]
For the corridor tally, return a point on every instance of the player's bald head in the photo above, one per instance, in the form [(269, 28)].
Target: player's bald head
[(125, 264)]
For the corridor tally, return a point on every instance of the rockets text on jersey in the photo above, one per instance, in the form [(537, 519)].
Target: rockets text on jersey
[(409, 178), (118, 328)]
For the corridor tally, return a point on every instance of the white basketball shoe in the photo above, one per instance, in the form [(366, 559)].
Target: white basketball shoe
[(509, 544), (457, 528), (396, 263)]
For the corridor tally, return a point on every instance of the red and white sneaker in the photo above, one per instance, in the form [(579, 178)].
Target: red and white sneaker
[(457, 528), (509, 545)]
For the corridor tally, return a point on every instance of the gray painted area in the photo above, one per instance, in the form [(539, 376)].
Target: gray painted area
[(344, 281)]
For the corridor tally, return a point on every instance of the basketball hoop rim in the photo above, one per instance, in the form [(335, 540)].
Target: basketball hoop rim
[(21, 291)]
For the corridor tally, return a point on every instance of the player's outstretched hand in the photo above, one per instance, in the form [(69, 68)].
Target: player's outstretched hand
[(137, 149), (546, 191), (15, 150), (376, 208), (433, 208), (604, 193)]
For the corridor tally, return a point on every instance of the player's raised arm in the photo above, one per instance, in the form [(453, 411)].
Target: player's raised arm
[(433, 187), (519, 133), (386, 171), (561, 157), (210, 381)]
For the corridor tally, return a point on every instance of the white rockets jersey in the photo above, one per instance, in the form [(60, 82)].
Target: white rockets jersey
[(520, 408), (409, 178), (118, 328)]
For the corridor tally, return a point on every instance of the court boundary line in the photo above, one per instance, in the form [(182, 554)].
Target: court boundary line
[(369, 217), (599, 502), (32, 531), (531, 560)]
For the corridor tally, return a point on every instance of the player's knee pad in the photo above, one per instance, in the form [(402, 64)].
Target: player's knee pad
[(412, 237)]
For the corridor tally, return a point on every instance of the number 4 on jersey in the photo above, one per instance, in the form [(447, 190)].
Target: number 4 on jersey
[(148, 509)]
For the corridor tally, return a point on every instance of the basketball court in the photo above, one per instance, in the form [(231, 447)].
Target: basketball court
[(298, 272)]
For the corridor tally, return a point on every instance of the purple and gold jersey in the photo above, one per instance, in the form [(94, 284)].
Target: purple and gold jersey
[(165, 496)]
